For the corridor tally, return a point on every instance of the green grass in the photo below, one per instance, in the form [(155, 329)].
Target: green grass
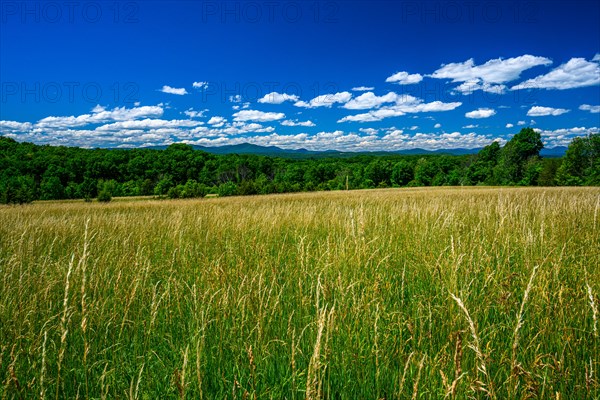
[(411, 293)]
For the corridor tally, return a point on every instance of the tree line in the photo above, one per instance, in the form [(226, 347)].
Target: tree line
[(31, 172)]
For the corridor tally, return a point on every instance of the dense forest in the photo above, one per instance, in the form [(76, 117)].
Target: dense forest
[(31, 172)]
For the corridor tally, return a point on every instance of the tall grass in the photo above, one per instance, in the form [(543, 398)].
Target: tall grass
[(345, 295)]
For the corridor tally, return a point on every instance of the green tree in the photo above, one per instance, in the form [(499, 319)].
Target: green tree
[(17, 190), (581, 164), (425, 171), (521, 147), (481, 171), (163, 185), (51, 188), (549, 170), (402, 173)]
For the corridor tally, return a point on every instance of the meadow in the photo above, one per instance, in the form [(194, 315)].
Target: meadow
[(377, 294)]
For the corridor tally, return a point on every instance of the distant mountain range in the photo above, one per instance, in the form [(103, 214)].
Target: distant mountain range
[(247, 148)]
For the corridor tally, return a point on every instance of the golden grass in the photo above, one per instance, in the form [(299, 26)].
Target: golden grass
[(360, 294)]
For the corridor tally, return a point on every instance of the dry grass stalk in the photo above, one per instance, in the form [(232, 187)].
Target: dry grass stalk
[(43, 369), (416, 384), (313, 377), (592, 303), (403, 379), (476, 348), (516, 337), (63, 325)]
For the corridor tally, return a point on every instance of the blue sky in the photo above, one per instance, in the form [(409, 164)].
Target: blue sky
[(345, 75)]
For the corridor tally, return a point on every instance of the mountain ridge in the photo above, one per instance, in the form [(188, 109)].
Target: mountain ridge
[(274, 151)]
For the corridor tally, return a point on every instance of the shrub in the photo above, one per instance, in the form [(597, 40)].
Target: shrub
[(104, 196)]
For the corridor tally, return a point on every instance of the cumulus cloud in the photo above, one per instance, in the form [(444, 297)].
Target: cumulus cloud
[(15, 126), (592, 109), (471, 86), (369, 100), (260, 116), (575, 73), (235, 99), (100, 115), (149, 124), (217, 121), (563, 136), (241, 128), (195, 114), (437, 126), (366, 139), (172, 90), (498, 70), (363, 88), (369, 131), (200, 85), (278, 98), (288, 122), (509, 125), (489, 77), (326, 100), (404, 78), (538, 111), (405, 104), (480, 113)]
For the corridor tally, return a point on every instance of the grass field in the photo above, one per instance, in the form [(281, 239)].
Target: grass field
[(408, 293)]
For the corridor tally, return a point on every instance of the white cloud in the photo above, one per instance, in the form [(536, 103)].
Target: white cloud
[(493, 71), (195, 114), (217, 121), (577, 72), (100, 115), (538, 111), (405, 104), (480, 113), (149, 124), (509, 125), (235, 99), (437, 126), (563, 136), (404, 78), (471, 86), (200, 85), (278, 98), (372, 116), (172, 90), (369, 131), (254, 115), (288, 122), (521, 123), (587, 107), (15, 126), (326, 100), (363, 88), (370, 100), (241, 128)]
